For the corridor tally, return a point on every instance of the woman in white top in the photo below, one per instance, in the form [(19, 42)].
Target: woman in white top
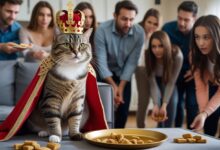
[(163, 64), (150, 23), (40, 32)]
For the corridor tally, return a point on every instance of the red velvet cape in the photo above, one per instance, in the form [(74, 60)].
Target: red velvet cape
[(28, 101)]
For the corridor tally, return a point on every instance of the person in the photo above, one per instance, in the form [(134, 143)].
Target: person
[(163, 64), (205, 50), (40, 32), (118, 44), (179, 33), (150, 24), (90, 21), (9, 29)]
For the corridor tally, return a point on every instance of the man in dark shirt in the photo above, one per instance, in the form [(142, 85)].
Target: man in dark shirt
[(179, 32), (9, 29)]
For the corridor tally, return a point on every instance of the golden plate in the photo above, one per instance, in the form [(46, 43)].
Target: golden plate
[(157, 138)]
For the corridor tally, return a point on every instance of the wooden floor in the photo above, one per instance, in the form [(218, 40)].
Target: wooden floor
[(131, 122)]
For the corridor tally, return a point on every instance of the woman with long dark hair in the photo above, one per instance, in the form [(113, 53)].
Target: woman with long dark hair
[(90, 17), (205, 55), (40, 32), (150, 24), (163, 64)]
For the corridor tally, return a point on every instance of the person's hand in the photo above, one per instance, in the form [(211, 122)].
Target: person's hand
[(163, 113), (155, 113), (199, 121), (40, 54), (188, 76), (119, 96), (116, 97), (9, 47)]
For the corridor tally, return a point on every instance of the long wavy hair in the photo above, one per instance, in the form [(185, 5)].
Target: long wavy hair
[(85, 5), (199, 60), (35, 13), (170, 51), (151, 12)]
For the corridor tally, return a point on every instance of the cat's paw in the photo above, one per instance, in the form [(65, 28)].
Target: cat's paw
[(76, 137), (43, 134), (55, 138)]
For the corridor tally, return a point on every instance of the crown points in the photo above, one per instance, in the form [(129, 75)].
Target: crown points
[(70, 21)]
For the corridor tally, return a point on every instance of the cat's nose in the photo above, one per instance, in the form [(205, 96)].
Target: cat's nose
[(78, 55)]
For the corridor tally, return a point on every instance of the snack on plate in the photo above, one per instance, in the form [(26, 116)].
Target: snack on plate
[(115, 138), (188, 138), (22, 45), (43, 148), (33, 145)]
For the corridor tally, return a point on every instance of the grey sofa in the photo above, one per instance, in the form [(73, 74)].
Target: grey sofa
[(15, 77)]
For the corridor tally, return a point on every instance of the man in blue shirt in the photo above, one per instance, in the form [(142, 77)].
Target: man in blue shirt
[(179, 32), (9, 29), (118, 43)]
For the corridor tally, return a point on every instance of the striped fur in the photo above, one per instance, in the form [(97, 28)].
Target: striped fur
[(61, 104)]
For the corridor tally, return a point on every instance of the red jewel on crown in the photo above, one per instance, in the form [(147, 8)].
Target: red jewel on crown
[(70, 21)]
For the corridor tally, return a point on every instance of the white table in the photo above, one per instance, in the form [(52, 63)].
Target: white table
[(212, 143)]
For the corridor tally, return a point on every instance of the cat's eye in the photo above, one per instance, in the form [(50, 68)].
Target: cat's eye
[(66, 44), (82, 46)]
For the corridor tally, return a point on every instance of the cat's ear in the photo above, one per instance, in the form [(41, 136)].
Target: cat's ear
[(88, 33)]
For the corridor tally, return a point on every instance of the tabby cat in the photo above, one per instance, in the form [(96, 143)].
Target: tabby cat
[(61, 104)]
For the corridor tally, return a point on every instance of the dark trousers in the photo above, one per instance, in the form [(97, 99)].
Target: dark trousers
[(121, 113), (211, 123), (187, 98)]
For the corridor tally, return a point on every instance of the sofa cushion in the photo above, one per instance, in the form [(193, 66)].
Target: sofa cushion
[(24, 74), (106, 94), (7, 78), (5, 110)]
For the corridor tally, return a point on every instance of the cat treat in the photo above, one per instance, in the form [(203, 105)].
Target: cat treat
[(115, 138), (33, 145), (53, 146), (180, 140), (188, 138)]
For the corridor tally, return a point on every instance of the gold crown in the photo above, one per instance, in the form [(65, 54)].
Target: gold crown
[(70, 21)]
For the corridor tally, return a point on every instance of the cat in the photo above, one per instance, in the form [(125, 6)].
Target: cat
[(61, 104)]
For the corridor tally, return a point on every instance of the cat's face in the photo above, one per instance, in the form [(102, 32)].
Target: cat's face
[(72, 48)]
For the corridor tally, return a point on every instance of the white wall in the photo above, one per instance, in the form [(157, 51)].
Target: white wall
[(105, 8)]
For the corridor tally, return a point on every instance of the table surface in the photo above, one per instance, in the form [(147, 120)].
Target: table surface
[(212, 143)]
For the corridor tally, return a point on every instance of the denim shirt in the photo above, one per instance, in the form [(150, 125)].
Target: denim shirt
[(115, 53), (10, 35)]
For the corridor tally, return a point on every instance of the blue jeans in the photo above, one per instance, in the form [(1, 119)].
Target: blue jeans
[(187, 98), (171, 107), (211, 123)]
